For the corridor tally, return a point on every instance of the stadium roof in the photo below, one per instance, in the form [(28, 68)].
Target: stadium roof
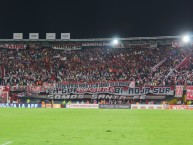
[(100, 39)]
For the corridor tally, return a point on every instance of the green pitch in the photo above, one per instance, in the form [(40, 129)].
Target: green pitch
[(95, 127)]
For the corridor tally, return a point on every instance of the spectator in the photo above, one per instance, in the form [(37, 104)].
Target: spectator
[(39, 66)]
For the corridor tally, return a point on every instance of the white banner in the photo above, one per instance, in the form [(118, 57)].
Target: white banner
[(17, 35), (178, 44), (93, 106), (142, 45), (33, 36), (13, 46), (65, 35), (67, 46), (120, 45), (148, 106), (51, 36)]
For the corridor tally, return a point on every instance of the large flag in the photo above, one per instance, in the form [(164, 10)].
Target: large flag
[(179, 91), (2, 71), (189, 92), (184, 61), (158, 65)]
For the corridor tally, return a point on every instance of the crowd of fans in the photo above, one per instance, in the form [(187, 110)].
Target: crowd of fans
[(37, 66)]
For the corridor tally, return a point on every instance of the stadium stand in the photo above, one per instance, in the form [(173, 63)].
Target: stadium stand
[(144, 66), (132, 71)]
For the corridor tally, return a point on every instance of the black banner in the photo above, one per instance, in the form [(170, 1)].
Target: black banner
[(93, 97)]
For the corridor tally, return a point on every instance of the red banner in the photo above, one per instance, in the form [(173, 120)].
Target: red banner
[(189, 92), (179, 91)]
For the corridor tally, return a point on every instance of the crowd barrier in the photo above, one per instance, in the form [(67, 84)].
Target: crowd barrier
[(141, 106)]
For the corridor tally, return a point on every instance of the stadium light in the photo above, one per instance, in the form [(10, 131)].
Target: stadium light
[(186, 39), (115, 42)]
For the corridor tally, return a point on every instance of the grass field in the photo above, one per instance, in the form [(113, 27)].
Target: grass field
[(95, 127)]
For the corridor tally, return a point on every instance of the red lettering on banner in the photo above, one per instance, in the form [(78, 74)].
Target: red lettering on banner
[(178, 107)]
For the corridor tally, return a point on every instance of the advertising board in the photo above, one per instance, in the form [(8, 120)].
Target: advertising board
[(93, 106), (144, 106), (114, 106), (12, 105)]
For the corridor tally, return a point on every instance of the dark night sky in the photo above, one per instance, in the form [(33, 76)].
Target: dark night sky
[(94, 19)]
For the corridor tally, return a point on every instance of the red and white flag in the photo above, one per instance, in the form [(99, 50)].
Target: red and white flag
[(179, 91), (189, 92)]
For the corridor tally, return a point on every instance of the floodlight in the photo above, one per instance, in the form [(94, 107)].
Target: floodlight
[(186, 39), (115, 42)]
